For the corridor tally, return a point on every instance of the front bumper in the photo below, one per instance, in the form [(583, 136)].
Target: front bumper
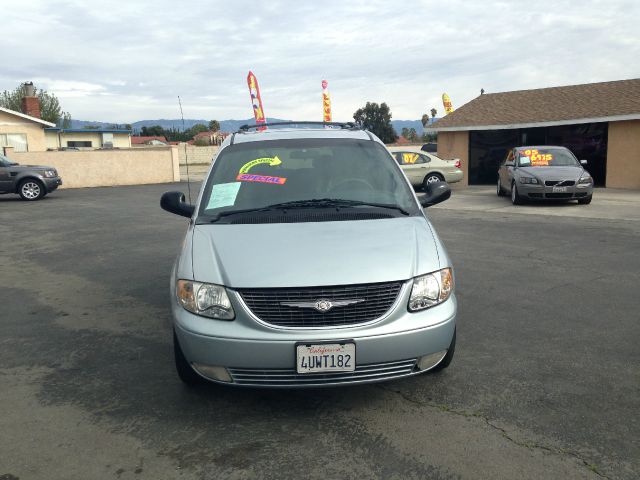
[(256, 354), (51, 183), (543, 192)]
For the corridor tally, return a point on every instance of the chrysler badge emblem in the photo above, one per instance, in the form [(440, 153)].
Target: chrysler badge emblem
[(323, 305)]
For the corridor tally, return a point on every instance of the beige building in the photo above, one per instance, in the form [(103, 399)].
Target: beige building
[(23, 132), (26, 133), (598, 122), (57, 138)]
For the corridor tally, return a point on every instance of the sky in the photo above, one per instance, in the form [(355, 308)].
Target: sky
[(123, 61)]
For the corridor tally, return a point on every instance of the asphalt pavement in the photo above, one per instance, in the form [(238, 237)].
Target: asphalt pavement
[(545, 382)]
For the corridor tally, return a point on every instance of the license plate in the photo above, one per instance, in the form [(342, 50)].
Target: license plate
[(326, 357), (559, 189)]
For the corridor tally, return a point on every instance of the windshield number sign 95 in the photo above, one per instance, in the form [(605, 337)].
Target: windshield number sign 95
[(328, 357), (538, 158)]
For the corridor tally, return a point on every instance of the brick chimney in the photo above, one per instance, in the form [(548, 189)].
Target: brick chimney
[(30, 103)]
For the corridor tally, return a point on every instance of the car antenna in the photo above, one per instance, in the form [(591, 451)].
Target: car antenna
[(186, 155)]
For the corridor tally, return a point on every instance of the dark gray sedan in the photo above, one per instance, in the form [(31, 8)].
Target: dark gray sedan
[(544, 173)]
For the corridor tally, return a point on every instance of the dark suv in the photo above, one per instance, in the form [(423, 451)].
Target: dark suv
[(31, 182)]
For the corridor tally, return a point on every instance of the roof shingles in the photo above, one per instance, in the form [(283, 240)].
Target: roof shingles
[(555, 104)]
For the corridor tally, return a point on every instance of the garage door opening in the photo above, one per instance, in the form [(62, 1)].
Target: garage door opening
[(487, 148)]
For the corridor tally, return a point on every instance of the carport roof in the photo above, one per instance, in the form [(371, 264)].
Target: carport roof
[(591, 102)]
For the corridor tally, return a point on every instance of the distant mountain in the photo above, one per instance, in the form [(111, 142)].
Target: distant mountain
[(398, 125), (225, 125)]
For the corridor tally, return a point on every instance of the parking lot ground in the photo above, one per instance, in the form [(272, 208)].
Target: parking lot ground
[(607, 204), (545, 382)]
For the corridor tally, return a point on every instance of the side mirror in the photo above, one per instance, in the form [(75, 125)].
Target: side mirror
[(174, 202), (583, 162), (436, 192)]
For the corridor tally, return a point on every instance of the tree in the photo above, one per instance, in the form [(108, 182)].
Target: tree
[(214, 125), (154, 131), (377, 119), (405, 132), (50, 109), (197, 128), (66, 120), (413, 136), (425, 120)]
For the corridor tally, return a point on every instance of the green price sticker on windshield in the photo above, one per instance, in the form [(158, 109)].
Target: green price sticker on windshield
[(272, 161)]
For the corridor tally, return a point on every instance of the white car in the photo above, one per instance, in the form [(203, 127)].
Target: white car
[(423, 168)]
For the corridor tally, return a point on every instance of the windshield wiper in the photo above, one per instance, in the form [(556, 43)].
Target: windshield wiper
[(226, 213), (335, 202), (315, 202)]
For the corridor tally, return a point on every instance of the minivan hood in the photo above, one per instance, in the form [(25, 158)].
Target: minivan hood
[(313, 254), (554, 173)]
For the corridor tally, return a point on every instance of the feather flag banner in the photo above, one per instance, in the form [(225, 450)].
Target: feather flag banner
[(256, 100), (446, 101), (326, 102)]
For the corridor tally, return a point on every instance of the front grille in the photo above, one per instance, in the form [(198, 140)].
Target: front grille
[(560, 183), (266, 304), (290, 378), (535, 195), (559, 195)]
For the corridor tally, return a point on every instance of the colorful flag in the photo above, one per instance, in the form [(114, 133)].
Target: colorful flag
[(446, 101), (326, 102), (256, 100)]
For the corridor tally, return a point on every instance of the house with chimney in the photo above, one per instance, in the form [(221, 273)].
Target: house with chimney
[(25, 131)]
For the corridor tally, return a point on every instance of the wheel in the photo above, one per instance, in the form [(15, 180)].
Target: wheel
[(431, 178), (444, 363), (500, 191), (185, 371), (31, 190), (585, 201), (516, 199)]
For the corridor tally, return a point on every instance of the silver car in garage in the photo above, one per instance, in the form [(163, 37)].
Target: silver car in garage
[(308, 261), (544, 173)]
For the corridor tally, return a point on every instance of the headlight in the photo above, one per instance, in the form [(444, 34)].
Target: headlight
[(205, 299), (585, 179), (431, 289), (528, 180), (50, 173)]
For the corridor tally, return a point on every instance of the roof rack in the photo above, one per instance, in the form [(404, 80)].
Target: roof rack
[(344, 125)]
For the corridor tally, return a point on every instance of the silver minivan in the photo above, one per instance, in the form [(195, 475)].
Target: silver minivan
[(308, 261)]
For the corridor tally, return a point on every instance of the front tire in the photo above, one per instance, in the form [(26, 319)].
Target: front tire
[(499, 189), (185, 371), (31, 190), (431, 178), (516, 199), (585, 201)]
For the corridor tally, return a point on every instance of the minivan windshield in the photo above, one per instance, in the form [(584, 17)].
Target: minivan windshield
[(305, 173), (546, 157)]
